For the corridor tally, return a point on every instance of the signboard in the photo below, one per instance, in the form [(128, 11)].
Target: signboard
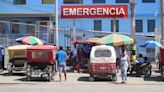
[(95, 11)]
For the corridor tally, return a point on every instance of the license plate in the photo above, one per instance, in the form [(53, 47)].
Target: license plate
[(103, 68), (36, 74)]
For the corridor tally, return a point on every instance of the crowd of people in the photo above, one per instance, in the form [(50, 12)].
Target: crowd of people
[(68, 56)]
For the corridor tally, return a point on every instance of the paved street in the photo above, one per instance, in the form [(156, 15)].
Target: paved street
[(79, 82)]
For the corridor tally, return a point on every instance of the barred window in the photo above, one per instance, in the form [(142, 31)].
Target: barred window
[(19, 2), (2, 28), (98, 1), (30, 29), (151, 25), (148, 1), (139, 26), (73, 1), (122, 1), (48, 1), (15, 27), (97, 25), (117, 25)]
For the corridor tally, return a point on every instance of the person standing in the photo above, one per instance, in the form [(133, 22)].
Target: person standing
[(124, 67), (61, 59), (74, 55), (68, 51)]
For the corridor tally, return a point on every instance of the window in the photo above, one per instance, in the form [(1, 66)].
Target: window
[(73, 1), (15, 27), (148, 1), (20, 2), (2, 28), (30, 29), (102, 53), (98, 1), (40, 55), (117, 25), (48, 1), (151, 25), (122, 1), (139, 26), (97, 25)]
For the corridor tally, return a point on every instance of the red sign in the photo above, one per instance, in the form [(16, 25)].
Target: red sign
[(95, 11)]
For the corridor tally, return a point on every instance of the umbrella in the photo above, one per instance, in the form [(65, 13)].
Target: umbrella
[(115, 40), (30, 40), (91, 40), (87, 40), (150, 44)]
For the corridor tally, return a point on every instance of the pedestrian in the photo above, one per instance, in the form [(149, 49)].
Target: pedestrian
[(68, 51), (61, 59), (74, 55), (124, 67), (118, 54)]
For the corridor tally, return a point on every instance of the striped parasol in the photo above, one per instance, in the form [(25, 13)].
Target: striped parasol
[(115, 40), (30, 40)]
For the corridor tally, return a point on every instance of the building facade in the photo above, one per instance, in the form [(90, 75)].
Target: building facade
[(42, 12)]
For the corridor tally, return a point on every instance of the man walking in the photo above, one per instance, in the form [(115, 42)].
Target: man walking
[(61, 59)]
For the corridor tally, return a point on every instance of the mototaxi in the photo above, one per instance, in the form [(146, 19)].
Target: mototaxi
[(102, 63)]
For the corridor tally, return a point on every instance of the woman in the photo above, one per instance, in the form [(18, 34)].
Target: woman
[(124, 67)]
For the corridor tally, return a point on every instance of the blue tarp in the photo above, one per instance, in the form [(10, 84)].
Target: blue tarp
[(150, 44)]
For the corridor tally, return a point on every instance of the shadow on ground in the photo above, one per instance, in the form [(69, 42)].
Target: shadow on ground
[(154, 78), (13, 74), (86, 79), (36, 79)]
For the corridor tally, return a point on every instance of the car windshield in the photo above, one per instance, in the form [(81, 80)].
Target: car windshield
[(102, 53), (40, 55)]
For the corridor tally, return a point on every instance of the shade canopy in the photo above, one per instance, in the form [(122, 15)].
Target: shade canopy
[(150, 44), (30, 40), (115, 40), (18, 47)]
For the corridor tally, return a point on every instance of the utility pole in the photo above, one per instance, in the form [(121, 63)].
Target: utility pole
[(114, 25), (162, 20), (132, 8), (133, 46), (74, 30), (56, 21)]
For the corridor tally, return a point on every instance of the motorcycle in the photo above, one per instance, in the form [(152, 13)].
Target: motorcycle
[(142, 69)]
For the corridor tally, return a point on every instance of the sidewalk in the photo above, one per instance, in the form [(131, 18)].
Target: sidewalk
[(81, 79)]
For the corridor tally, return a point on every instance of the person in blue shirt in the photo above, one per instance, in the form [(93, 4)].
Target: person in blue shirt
[(61, 57)]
